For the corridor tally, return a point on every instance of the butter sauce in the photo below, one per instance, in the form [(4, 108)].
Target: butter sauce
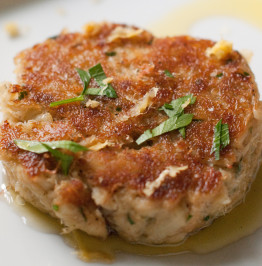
[(180, 20)]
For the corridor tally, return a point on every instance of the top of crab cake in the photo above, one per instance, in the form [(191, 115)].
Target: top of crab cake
[(145, 72)]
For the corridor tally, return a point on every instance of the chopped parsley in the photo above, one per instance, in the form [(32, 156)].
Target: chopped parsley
[(219, 75), (22, 95), (56, 208), (189, 217), (177, 119), (221, 138), (98, 74), (130, 220), (41, 147), (246, 74), (206, 218), (83, 213), (168, 73), (182, 131), (118, 108), (53, 37), (112, 53)]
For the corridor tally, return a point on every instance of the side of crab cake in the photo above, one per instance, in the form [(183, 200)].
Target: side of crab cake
[(115, 130)]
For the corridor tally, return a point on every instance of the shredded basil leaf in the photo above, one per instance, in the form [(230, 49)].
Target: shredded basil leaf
[(170, 124), (99, 75), (219, 75), (22, 95), (37, 147), (221, 138), (168, 73), (63, 158)]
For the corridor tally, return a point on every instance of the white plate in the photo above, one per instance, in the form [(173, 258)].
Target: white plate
[(24, 246)]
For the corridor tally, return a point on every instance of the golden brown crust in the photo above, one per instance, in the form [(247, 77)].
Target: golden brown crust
[(47, 73)]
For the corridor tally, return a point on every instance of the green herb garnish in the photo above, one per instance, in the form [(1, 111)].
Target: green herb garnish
[(182, 131), (56, 208), (246, 74), (22, 95), (118, 108), (168, 73), (83, 213), (85, 77), (37, 147), (177, 106), (177, 118), (170, 124), (221, 138), (112, 53), (63, 158), (98, 74), (130, 220), (80, 98), (206, 218), (219, 75), (189, 217), (52, 146), (53, 37)]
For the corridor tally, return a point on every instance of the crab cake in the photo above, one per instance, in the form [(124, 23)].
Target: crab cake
[(169, 130)]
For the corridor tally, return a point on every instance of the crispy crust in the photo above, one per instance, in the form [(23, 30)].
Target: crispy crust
[(47, 73)]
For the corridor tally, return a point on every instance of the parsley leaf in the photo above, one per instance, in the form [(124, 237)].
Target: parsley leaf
[(37, 147), (221, 138), (170, 124), (52, 146), (85, 77), (112, 53), (168, 73), (55, 207), (22, 95), (99, 75), (182, 131), (63, 158), (177, 118), (80, 98), (177, 106)]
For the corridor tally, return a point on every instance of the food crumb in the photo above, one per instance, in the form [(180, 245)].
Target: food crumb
[(12, 29), (61, 11)]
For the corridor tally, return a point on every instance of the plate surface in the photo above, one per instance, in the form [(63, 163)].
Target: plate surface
[(23, 245)]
